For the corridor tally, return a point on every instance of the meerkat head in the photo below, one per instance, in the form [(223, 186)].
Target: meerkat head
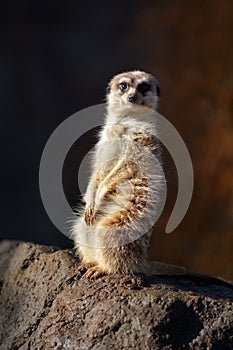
[(131, 89)]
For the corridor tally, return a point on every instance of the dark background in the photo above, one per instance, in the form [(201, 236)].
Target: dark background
[(57, 58)]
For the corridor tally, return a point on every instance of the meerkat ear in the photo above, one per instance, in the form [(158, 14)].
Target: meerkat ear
[(157, 89), (108, 89)]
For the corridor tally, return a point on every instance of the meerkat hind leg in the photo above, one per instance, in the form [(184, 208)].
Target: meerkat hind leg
[(94, 272), (135, 281), (85, 266)]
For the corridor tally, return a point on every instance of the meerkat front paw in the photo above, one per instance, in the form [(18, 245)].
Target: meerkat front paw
[(90, 214)]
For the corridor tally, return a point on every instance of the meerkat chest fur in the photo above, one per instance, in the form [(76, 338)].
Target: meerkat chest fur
[(112, 233), (116, 139)]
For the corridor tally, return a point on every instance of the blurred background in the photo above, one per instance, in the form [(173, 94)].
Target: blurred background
[(57, 58)]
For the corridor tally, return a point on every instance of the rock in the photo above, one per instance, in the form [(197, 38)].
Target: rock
[(45, 304)]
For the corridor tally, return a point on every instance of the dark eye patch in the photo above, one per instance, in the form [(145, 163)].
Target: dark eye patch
[(123, 86), (144, 87)]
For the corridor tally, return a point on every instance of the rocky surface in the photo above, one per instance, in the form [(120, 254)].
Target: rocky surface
[(45, 304)]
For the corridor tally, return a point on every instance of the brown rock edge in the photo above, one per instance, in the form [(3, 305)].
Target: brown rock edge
[(45, 304)]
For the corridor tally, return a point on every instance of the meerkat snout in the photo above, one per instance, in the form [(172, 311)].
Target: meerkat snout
[(132, 98)]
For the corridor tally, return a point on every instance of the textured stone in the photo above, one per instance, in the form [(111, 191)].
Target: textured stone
[(45, 304)]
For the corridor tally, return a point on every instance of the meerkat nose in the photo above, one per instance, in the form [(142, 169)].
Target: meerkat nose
[(132, 98)]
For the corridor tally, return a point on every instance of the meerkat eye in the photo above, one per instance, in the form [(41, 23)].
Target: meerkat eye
[(123, 86), (144, 87)]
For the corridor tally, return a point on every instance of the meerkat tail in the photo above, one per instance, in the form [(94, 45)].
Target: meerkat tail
[(159, 269)]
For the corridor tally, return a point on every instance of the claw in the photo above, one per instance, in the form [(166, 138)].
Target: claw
[(94, 272), (90, 215), (132, 282), (84, 267)]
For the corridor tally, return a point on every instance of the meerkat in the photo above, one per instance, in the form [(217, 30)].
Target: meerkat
[(112, 233)]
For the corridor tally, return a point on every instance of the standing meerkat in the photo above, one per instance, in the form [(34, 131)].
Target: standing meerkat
[(112, 234)]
